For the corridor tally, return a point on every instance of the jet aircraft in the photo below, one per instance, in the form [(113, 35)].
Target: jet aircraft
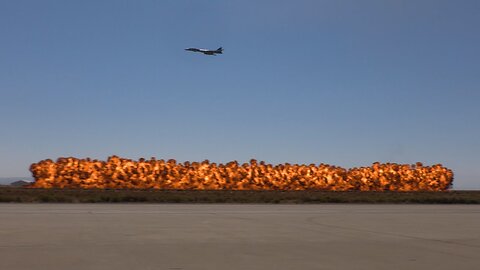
[(205, 51)]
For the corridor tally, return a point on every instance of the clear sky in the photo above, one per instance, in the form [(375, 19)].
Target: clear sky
[(344, 82)]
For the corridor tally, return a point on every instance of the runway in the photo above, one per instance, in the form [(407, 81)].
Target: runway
[(223, 236)]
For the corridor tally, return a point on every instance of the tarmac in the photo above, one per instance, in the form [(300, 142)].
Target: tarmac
[(224, 236)]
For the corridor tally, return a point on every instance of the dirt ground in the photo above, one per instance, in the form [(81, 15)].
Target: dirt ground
[(232, 236)]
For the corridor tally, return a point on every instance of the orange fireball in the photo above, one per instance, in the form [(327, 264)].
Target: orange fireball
[(124, 173)]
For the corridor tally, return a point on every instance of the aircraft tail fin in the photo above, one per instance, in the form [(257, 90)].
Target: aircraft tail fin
[(219, 50)]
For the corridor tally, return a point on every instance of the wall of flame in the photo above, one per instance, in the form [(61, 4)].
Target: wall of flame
[(124, 173)]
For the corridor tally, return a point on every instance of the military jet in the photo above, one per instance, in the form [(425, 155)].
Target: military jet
[(205, 51)]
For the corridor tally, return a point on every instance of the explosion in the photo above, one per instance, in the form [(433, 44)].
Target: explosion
[(121, 173)]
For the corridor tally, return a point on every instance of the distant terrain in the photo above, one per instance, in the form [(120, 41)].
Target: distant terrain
[(9, 180)]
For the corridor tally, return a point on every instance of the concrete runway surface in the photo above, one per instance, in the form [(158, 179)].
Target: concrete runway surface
[(189, 236)]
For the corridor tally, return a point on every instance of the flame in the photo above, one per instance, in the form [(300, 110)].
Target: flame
[(124, 173)]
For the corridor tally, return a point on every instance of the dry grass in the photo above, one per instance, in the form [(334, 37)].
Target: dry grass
[(28, 195)]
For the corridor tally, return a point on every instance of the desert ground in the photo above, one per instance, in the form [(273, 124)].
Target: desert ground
[(232, 236), (35, 195)]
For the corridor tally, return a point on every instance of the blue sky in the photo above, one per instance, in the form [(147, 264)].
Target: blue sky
[(341, 82)]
